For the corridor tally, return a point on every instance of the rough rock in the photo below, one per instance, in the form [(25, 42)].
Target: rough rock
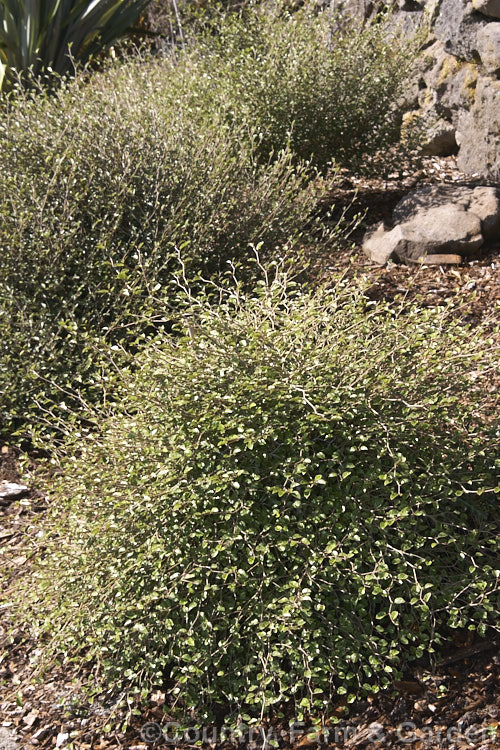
[(411, 18), (409, 5), (455, 86), (444, 229), (448, 84), (482, 201), (440, 140), (478, 132), (489, 8), (438, 221), (453, 97), (488, 44), (457, 26), (357, 9)]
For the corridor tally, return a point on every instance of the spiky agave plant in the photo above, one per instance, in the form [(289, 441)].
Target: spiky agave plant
[(50, 35)]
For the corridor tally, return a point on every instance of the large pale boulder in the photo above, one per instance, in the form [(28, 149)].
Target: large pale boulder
[(441, 230), (482, 201), (485, 203), (438, 221), (8, 740)]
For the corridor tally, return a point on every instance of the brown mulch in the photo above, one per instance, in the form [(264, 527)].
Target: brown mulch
[(452, 703)]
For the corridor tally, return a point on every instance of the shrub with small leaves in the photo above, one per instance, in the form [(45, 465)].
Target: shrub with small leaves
[(310, 79), (294, 499), (201, 152), (100, 186)]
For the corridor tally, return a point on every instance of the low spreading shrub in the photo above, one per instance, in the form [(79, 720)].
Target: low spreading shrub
[(202, 153), (100, 187), (294, 499)]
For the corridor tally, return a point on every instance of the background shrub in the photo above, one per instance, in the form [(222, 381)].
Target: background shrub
[(294, 499), (100, 186), (202, 152), (328, 89)]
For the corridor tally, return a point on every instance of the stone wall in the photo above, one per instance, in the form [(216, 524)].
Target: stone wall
[(456, 93)]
